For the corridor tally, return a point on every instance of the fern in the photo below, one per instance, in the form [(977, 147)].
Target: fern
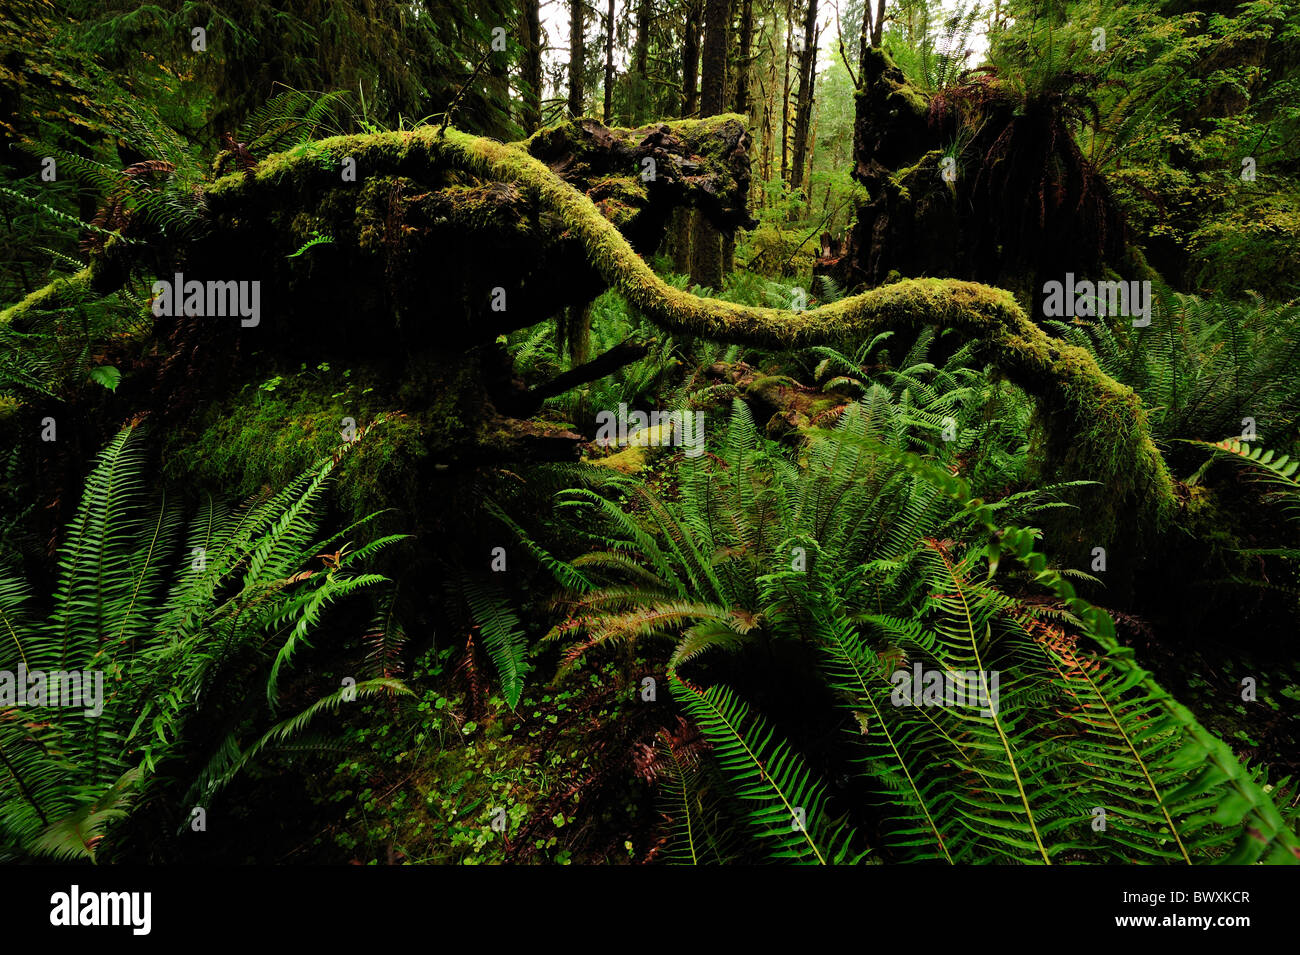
[(1212, 808), (878, 558), (1205, 364), (788, 813), (503, 635), (175, 631), (1277, 472), (315, 240)]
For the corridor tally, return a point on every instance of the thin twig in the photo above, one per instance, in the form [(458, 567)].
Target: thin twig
[(455, 102)]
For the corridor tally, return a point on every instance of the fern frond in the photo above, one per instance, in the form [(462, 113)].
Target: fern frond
[(788, 812)]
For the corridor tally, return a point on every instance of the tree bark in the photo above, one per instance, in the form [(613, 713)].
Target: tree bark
[(713, 79), (680, 241), (690, 58), (746, 45), (706, 245), (768, 91), (864, 39), (812, 146), (497, 81), (683, 219), (785, 93), (640, 79)]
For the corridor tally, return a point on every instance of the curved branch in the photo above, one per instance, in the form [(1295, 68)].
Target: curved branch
[(1096, 424)]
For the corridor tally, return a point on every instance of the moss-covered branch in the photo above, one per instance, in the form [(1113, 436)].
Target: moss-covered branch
[(48, 296), (1098, 426)]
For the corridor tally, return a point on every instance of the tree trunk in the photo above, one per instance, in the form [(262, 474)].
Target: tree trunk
[(769, 108), (640, 79), (746, 45), (683, 219), (609, 64), (576, 51), (679, 241), (575, 332), (532, 66), (878, 28), (706, 247), (864, 39), (785, 94), (497, 82), (803, 111), (812, 146), (690, 58), (713, 78)]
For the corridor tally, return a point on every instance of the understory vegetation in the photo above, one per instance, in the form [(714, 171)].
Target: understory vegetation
[(650, 435)]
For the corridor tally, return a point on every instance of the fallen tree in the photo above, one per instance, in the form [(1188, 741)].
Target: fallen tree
[(1096, 424), (405, 256)]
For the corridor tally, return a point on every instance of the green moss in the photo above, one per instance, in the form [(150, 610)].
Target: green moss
[(619, 198), (1095, 417), (631, 460), (264, 434), (703, 128), (48, 296), (796, 407), (772, 389), (905, 97), (1097, 427), (929, 162), (479, 208), (819, 406)]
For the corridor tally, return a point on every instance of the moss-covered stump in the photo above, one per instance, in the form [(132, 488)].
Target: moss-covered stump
[(976, 182), (431, 414), (702, 163), (784, 406)]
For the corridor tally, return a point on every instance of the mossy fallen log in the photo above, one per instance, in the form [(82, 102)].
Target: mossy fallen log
[(1098, 428)]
